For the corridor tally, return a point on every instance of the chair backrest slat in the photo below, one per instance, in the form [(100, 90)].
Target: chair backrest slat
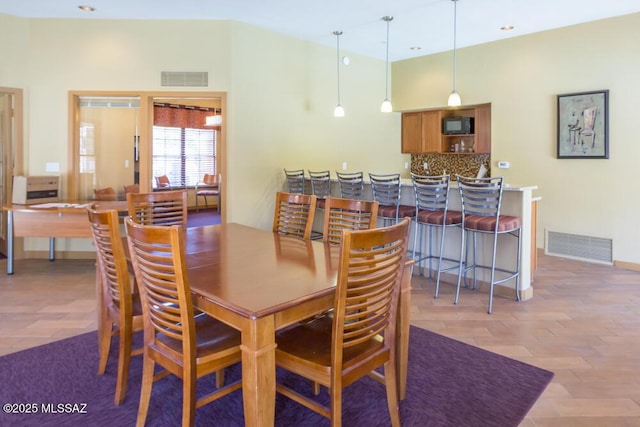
[(386, 188), (295, 180), (158, 208), (351, 184), (369, 278), (347, 214), (480, 196), (320, 183), (431, 192), (294, 214)]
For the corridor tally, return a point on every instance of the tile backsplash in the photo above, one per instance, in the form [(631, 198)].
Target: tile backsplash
[(460, 164)]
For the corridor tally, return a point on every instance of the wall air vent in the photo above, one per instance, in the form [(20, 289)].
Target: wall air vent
[(585, 248), (184, 78)]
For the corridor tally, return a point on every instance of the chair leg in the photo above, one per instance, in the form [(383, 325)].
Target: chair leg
[(444, 227), (145, 390), (104, 337), (460, 267), (220, 378), (124, 357), (336, 406), (390, 376), (188, 399), (493, 272)]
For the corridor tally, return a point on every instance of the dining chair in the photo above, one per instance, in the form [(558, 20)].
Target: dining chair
[(163, 182), (351, 184), (386, 190), (481, 203), (294, 214), (107, 193), (158, 207), (119, 309), (295, 180), (347, 214), (433, 213), (210, 186), (185, 345), (133, 188), (335, 351)]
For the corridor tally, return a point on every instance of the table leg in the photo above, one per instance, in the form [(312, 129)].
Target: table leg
[(52, 249), (402, 330), (259, 371), (10, 242)]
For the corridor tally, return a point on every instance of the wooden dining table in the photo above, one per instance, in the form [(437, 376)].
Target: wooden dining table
[(259, 282)]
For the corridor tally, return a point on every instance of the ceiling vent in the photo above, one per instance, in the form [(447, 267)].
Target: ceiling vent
[(184, 78), (585, 248)]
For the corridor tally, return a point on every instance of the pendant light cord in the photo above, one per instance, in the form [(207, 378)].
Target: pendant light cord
[(455, 20), (338, 33)]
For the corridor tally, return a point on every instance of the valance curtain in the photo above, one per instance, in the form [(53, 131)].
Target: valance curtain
[(183, 116)]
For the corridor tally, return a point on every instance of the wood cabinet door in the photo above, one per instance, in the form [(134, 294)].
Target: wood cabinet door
[(431, 136), (411, 132), (483, 129)]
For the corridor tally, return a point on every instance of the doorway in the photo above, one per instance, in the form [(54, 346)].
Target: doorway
[(113, 137)]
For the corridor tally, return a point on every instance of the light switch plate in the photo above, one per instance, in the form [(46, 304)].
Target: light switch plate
[(503, 165)]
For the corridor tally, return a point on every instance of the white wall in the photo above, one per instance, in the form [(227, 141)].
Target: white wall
[(522, 77)]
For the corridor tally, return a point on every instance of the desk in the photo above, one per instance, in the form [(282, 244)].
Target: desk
[(259, 282), (61, 219)]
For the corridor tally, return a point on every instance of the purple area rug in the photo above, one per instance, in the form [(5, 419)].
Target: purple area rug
[(450, 384)]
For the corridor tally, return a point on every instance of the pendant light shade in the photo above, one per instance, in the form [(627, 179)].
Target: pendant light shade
[(339, 111), (454, 97), (386, 106)]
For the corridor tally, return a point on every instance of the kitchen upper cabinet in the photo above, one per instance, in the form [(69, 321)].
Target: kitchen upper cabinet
[(422, 131)]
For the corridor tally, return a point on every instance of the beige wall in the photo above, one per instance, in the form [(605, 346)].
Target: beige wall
[(281, 95), (521, 78)]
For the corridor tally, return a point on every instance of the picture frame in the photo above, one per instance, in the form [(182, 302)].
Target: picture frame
[(583, 125)]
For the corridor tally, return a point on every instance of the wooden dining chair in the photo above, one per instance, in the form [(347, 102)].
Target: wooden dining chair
[(337, 350), (107, 193), (347, 214), (210, 186), (294, 214), (158, 208), (163, 182), (133, 188), (119, 309), (187, 346)]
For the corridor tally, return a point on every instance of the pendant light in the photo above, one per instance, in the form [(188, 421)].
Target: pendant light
[(339, 111), (454, 98), (386, 106)]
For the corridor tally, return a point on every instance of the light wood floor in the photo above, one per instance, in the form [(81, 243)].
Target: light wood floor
[(583, 324)]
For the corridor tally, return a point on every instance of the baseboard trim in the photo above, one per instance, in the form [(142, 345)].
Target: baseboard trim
[(627, 265)]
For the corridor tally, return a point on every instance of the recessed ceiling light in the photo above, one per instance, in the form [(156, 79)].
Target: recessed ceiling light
[(415, 48), (87, 8), (507, 27)]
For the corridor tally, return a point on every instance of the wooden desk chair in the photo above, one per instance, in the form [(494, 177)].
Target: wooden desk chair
[(210, 186), (118, 307), (133, 188), (163, 183), (347, 214), (294, 214), (158, 208), (361, 336), (107, 193), (185, 345)]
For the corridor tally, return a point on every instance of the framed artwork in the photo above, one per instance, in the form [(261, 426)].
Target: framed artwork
[(583, 125)]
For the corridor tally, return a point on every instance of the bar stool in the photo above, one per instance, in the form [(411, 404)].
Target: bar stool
[(351, 184), (432, 200), (321, 188), (295, 180), (481, 200), (386, 191)]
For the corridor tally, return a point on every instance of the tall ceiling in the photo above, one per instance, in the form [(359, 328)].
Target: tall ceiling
[(427, 24)]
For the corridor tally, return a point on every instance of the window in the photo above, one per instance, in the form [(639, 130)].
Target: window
[(183, 154)]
